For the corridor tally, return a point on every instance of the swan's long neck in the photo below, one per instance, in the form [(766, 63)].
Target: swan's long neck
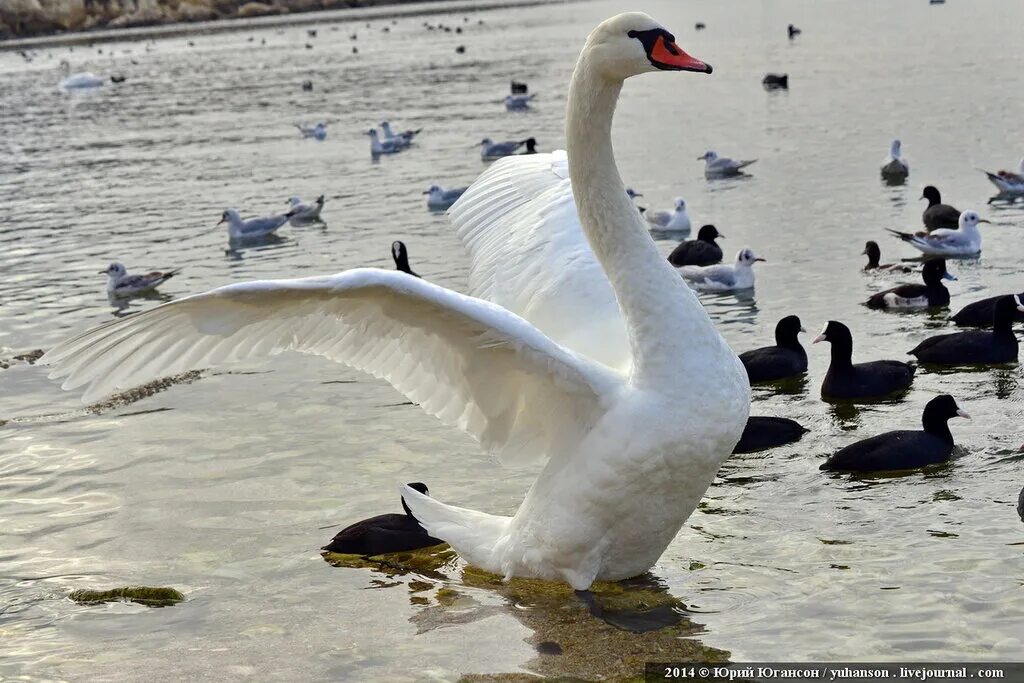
[(663, 317)]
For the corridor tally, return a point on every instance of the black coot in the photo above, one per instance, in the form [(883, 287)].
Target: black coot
[(762, 433), (846, 380), (391, 533), (786, 359), (973, 347)]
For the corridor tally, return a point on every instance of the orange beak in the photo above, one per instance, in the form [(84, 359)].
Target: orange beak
[(672, 56)]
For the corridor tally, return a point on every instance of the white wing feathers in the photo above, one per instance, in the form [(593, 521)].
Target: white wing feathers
[(466, 361), (529, 255)]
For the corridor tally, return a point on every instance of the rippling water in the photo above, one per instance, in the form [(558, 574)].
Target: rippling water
[(222, 487)]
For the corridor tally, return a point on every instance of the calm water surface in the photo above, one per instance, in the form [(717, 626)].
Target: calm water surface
[(222, 487)]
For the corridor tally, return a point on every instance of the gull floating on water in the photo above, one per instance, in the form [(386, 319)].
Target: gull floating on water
[(518, 102), (78, 81), (253, 227), (964, 241), (723, 278), (319, 131), (895, 166), (1008, 182), (490, 150), (405, 137), (305, 213), (387, 146), (722, 167), (121, 284), (677, 219), (440, 199)]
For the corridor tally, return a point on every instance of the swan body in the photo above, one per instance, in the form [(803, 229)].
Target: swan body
[(964, 241), (628, 450), (79, 81), (677, 219)]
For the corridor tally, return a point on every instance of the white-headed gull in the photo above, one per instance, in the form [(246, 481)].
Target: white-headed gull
[(489, 149), (405, 136), (440, 199), (305, 213), (722, 167), (378, 146), (121, 284), (518, 102), (1008, 182), (895, 166), (253, 227), (964, 241), (723, 278), (79, 81), (318, 132), (676, 219)]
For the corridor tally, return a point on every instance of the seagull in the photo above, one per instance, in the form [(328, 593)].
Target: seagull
[(401, 256), (121, 284), (964, 241), (490, 150), (405, 136), (319, 131), (677, 219), (722, 167), (387, 146), (1008, 182), (895, 167), (254, 227), (440, 199), (937, 214), (518, 102), (305, 213), (723, 278)]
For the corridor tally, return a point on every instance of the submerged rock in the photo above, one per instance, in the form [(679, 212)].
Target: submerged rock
[(150, 596)]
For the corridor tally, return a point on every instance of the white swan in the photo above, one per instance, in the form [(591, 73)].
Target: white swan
[(628, 454), (79, 81)]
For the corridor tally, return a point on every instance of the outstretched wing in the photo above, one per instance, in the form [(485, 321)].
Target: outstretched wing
[(529, 254), (466, 361)]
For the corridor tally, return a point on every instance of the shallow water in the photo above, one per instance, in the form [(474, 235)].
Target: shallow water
[(223, 487)]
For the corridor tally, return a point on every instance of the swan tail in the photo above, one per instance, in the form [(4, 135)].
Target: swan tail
[(472, 534)]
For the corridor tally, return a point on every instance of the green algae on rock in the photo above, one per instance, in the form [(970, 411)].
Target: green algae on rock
[(150, 596)]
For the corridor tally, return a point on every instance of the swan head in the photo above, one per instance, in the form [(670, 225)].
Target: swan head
[(970, 219), (633, 43), (680, 204), (894, 149), (115, 270), (747, 258), (708, 156)]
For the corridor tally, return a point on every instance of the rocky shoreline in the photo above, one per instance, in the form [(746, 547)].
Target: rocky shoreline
[(31, 18)]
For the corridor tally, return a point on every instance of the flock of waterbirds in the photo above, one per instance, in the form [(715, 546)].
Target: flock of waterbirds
[(616, 367)]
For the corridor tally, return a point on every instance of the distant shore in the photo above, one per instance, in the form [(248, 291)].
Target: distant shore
[(358, 10)]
